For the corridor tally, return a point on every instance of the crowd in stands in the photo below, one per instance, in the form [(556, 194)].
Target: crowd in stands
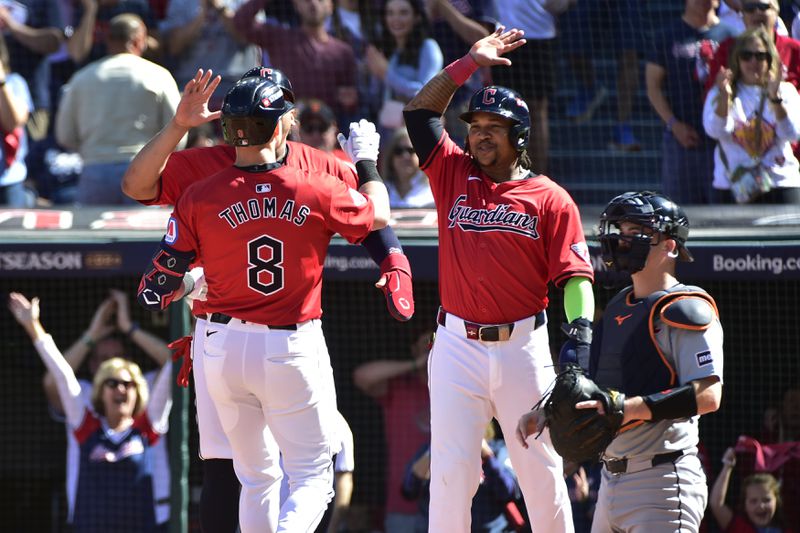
[(85, 83)]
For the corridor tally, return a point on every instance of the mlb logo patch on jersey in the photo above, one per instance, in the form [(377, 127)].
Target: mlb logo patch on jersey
[(172, 231), (263, 187), (704, 358), (581, 250)]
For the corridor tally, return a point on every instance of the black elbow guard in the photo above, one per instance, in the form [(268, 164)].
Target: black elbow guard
[(672, 404), (163, 280)]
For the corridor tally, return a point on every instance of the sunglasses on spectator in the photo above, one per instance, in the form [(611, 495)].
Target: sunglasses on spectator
[(113, 383), (752, 8), (400, 150), (314, 128), (747, 55)]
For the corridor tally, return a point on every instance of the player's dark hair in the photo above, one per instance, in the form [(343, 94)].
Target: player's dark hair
[(524, 159), (419, 32)]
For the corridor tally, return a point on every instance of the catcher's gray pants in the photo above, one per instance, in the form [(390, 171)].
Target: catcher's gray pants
[(667, 498)]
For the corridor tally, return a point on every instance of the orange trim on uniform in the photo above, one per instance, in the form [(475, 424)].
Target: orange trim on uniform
[(629, 299), (651, 327), (631, 425)]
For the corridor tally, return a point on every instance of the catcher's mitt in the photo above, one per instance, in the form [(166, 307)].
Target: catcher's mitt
[(580, 435)]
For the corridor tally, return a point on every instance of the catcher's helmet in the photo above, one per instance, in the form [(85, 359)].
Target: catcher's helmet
[(251, 111), (648, 209), (275, 76), (506, 103)]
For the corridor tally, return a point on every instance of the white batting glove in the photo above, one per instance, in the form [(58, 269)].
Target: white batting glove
[(363, 142), (200, 288)]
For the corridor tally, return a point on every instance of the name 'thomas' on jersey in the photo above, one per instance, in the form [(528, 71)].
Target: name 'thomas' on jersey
[(262, 237)]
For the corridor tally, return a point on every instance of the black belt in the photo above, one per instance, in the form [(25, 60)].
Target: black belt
[(620, 466), (493, 333), (222, 318)]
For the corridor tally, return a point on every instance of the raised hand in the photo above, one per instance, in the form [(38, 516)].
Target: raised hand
[(774, 82), (488, 51), (362, 143), (100, 325), (25, 312), (124, 322), (725, 82), (193, 108)]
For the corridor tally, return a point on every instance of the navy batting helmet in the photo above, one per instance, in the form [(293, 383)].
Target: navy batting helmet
[(275, 76), (647, 209), (506, 103), (251, 111)]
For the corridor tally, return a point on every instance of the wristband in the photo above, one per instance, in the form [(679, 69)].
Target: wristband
[(367, 171), (461, 69), (671, 122), (134, 327), (87, 340), (776, 100)]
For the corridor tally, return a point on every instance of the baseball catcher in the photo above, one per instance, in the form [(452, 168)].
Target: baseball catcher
[(578, 434)]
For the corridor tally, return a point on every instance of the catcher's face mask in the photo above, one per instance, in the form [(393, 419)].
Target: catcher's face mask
[(624, 251)]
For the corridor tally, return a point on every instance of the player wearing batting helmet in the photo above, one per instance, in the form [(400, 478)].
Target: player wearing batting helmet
[(504, 233), (265, 361), (159, 176), (660, 345)]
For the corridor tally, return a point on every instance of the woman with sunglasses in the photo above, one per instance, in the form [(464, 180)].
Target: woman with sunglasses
[(116, 432), (754, 116), (408, 186)]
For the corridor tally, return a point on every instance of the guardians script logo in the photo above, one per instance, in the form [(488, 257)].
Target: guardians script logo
[(501, 218)]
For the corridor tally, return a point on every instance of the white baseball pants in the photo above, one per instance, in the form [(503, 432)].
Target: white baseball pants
[(470, 382)]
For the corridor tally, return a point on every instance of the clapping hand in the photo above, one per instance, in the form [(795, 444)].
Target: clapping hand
[(124, 322), (774, 83), (725, 82), (25, 312)]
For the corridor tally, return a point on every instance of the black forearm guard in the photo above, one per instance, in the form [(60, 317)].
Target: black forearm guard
[(672, 404), (367, 171), (163, 280)]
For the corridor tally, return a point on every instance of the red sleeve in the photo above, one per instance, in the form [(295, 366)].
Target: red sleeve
[(89, 425), (344, 170), (180, 227), (719, 60), (568, 252), (145, 427), (348, 212), (789, 52), (189, 166), (447, 161)]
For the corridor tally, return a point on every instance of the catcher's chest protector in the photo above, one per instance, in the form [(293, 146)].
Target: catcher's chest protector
[(629, 359)]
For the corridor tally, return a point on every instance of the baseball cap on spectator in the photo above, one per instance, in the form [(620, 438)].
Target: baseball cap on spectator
[(315, 115)]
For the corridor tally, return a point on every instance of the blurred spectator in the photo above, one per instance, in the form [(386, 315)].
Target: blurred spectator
[(319, 65), (317, 127), (532, 71), (676, 72), (202, 136), (200, 33), (583, 485), (15, 107), (497, 488), (100, 345), (107, 10), (761, 15), (455, 23), (111, 108), (408, 185), (355, 23), (782, 423), (621, 32), (405, 58), (755, 117), (731, 14), (116, 432), (400, 386), (759, 508), (33, 30)]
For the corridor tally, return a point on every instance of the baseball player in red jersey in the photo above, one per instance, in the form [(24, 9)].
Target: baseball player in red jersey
[(504, 233), (261, 230), (157, 176)]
